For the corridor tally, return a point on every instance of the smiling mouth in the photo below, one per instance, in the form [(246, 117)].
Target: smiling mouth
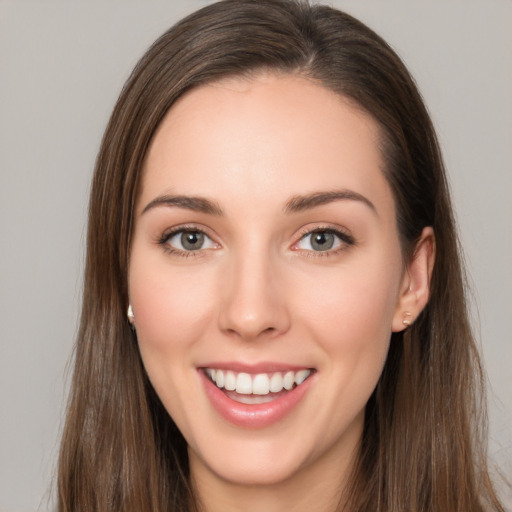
[(256, 388)]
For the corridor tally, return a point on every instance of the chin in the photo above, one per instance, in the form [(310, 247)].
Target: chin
[(250, 471)]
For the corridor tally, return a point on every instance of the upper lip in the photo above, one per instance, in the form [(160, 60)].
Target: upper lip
[(262, 367)]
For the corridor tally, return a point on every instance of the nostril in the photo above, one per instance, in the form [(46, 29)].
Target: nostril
[(246, 334)]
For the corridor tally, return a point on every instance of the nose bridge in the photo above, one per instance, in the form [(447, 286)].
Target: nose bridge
[(252, 303)]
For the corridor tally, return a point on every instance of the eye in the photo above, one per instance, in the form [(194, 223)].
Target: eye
[(323, 240), (188, 240)]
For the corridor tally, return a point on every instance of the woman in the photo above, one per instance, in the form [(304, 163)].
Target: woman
[(273, 313)]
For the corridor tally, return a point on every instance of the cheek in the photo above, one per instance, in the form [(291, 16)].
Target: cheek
[(171, 306), (351, 302), (350, 314), (173, 309)]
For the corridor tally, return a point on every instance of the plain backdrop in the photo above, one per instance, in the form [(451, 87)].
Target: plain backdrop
[(62, 65)]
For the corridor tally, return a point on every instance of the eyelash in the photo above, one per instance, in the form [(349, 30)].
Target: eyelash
[(164, 239), (345, 239)]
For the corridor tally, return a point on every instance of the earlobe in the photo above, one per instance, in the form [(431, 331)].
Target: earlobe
[(415, 289)]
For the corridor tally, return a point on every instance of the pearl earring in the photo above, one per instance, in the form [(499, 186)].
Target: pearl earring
[(130, 315), (407, 319)]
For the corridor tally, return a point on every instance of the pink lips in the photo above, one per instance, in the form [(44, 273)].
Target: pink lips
[(254, 415)]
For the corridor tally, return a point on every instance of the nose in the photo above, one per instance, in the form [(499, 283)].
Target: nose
[(253, 300)]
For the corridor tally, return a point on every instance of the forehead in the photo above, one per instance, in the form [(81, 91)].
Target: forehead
[(266, 137)]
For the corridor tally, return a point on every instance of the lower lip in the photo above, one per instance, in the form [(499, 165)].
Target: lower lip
[(254, 415)]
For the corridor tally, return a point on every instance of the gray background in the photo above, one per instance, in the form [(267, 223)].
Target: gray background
[(62, 65)]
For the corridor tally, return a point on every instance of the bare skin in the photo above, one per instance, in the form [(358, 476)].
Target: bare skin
[(266, 235)]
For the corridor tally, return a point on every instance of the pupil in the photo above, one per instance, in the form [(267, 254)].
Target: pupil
[(192, 240), (322, 241)]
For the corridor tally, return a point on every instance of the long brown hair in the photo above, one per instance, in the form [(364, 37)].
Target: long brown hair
[(423, 445)]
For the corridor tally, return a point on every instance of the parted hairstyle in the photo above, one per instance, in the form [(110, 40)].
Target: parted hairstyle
[(423, 445)]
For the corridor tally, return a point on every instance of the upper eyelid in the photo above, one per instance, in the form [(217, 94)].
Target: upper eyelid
[(300, 234), (168, 233), (164, 241), (324, 227), (344, 235)]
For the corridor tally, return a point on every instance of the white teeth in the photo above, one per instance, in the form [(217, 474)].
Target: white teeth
[(289, 380), (276, 383), (259, 384), (244, 384), (219, 378), (301, 376), (230, 381)]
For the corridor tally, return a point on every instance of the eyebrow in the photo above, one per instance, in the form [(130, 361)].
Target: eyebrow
[(197, 204), (306, 202), (296, 204)]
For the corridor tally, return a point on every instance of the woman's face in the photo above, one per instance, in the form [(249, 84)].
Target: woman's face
[(265, 254)]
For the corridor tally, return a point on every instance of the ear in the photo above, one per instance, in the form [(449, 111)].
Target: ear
[(415, 286)]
